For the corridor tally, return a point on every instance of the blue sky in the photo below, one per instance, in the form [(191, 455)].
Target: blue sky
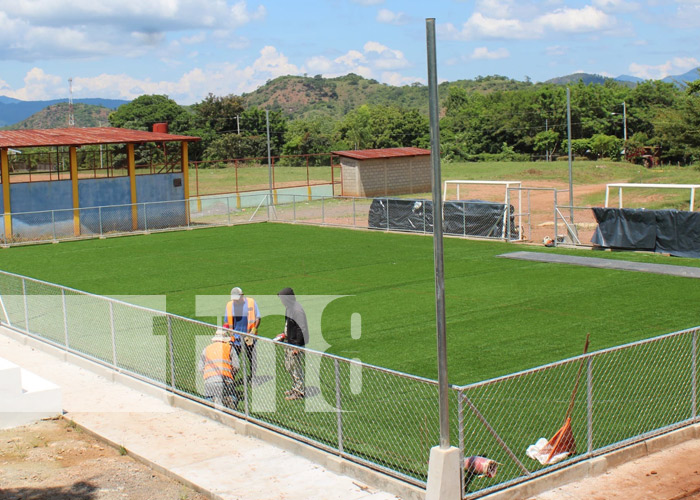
[(189, 48)]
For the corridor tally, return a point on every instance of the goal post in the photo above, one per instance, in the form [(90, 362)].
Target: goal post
[(463, 185), (623, 185)]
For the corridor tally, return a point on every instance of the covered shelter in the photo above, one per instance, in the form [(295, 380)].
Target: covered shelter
[(38, 187), (384, 172)]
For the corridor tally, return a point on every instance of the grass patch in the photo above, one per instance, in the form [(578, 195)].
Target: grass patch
[(499, 311)]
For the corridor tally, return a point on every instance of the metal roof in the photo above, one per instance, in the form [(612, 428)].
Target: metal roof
[(370, 154), (83, 136)]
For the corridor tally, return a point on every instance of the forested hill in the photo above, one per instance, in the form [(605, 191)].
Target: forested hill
[(318, 97), (56, 116)]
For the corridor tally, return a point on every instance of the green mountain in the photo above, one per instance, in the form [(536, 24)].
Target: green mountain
[(56, 116), (308, 97)]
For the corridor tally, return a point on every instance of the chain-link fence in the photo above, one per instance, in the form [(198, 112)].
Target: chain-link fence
[(375, 416), (575, 225), (461, 218), (378, 417), (626, 394)]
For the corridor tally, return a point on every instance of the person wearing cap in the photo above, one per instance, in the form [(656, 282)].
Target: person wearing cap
[(219, 365), (296, 334), (242, 315)]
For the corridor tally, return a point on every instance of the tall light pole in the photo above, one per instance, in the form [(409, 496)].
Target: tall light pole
[(624, 119), (444, 467)]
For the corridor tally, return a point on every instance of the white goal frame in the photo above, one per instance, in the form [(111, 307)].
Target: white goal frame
[(507, 185), (621, 185)]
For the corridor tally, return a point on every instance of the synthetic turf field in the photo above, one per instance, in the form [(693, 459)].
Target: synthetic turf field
[(502, 315)]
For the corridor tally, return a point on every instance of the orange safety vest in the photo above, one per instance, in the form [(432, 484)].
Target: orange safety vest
[(251, 313), (217, 362)]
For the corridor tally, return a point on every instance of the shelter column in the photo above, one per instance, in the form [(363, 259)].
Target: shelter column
[(184, 158), (73, 159), (6, 205), (131, 165)]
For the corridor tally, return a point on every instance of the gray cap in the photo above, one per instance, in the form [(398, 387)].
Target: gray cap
[(236, 293)]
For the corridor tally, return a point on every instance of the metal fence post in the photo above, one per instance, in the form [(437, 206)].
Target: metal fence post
[(507, 210), (589, 404), (99, 216), (111, 328), (65, 317), (53, 223), (171, 351), (694, 375), (244, 360), (386, 200), (338, 405), (354, 212), (145, 219), (556, 219), (26, 311), (228, 210), (460, 430)]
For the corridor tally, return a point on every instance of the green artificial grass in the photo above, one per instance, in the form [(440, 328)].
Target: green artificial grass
[(502, 315)]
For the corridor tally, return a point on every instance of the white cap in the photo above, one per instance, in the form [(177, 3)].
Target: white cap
[(220, 336), (236, 293)]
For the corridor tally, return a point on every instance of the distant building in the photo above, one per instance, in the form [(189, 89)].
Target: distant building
[(385, 172)]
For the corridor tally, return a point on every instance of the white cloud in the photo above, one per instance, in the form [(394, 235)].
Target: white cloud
[(673, 67), (48, 29), (374, 58), (368, 2), (583, 20), (396, 18), (220, 79), (622, 6), (485, 53), (565, 20), (556, 50), (397, 79)]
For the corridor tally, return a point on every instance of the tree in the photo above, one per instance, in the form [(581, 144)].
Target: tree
[(144, 111), (306, 137), (605, 145), (219, 113), (546, 140)]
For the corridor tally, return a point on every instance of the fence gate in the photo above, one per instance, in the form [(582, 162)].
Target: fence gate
[(534, 213)]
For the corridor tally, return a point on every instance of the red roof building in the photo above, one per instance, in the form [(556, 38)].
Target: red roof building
[(385, 172)]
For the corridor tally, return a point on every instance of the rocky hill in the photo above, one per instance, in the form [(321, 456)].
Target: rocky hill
[(303, 96), (56, 116)]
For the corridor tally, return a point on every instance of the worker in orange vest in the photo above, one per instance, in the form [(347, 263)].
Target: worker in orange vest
[(242, 315), (219, 365)]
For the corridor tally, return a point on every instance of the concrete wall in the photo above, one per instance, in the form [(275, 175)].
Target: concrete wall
[(102, 192), (58, 195), (386, 176), (159, 187)]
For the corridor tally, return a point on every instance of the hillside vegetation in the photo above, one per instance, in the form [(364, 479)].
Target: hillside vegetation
[(56, 116)]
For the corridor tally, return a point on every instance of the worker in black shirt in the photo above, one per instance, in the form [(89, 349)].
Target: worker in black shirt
[(296, 333)]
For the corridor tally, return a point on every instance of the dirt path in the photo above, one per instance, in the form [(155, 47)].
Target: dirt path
[(672, 474), (53, 460)]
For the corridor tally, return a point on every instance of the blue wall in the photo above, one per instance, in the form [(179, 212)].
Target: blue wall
[(159, 187), (57, 195), (38, 196), (103, 192)]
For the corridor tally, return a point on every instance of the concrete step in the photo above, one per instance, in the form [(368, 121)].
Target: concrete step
[(26, 397)]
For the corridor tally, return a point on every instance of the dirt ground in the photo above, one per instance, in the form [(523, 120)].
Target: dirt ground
[(671, 474), (53, 460)]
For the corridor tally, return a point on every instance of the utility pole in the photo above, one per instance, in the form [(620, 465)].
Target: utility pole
[(71, 118), (238, 124), (546, 129), (269, 163), (624, 120)]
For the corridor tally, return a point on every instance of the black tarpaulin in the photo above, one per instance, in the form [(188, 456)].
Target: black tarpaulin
[(674, 232), (466, 217)]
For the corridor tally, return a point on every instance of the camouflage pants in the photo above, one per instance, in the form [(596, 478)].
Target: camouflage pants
[(294, 364)]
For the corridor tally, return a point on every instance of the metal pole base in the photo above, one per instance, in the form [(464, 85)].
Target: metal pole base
[(444, 469)]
